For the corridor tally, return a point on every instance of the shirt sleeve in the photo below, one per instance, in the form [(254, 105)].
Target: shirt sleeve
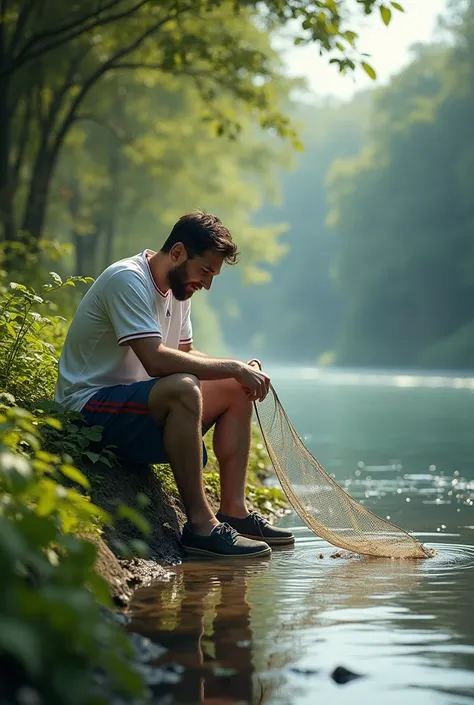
[(186, 334), (127, 303)]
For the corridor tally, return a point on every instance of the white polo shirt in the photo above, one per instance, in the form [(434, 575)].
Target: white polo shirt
[(122, 304)]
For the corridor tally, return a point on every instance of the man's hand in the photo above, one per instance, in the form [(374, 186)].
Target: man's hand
[(255, 383)]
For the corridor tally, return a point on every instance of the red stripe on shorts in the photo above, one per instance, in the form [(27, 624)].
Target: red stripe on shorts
[(117, 404), (113, 410)]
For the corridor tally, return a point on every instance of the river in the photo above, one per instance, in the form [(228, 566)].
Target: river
[(274, 631)]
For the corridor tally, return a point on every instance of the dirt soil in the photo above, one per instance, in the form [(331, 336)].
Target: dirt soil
[(110, 486)]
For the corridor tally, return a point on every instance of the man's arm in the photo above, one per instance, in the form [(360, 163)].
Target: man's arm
[(188, 348), (160, 361)]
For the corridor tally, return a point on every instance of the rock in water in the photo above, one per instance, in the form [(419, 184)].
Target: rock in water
[(342, 675)]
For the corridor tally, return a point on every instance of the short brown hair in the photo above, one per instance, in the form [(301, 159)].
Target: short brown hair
[(200, 231)]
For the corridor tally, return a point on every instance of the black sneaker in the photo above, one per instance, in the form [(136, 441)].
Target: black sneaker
[(256, 527), (222, 542)]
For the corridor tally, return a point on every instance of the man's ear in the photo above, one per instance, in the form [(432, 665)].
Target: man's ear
[(178, 253)]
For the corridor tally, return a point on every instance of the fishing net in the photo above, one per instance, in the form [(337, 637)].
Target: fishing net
[(324, 506)]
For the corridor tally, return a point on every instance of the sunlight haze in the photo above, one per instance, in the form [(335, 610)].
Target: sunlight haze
[(389, 48)]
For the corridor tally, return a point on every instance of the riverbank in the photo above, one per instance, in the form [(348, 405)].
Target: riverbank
[(78, 535), (152, 490), (79, 530)]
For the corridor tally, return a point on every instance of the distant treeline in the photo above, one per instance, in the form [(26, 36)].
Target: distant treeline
[(380, 211)]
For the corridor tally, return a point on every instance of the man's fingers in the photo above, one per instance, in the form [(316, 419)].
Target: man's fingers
[(259, 385)]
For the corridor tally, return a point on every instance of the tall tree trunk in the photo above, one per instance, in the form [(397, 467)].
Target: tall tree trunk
[(85, 247), (37, 201), (6, 184), (110, 225)]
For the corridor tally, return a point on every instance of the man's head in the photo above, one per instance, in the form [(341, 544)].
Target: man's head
[(197, 247)]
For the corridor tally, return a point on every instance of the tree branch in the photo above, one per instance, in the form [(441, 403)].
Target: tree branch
[(107, 66), (93, 118), (67, 84), (37, 89), (20, 25), (23, 137), (137, 65), (67, 27), (23, 57)]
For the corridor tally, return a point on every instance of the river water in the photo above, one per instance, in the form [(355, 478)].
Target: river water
[(274, 631)]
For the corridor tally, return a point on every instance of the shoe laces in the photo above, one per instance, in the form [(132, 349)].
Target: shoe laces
[(259, 519), (227, 532)]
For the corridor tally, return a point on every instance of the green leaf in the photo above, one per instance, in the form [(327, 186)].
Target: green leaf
[(75, 475), (39, 531), (47, 405), (54, 423), (21, 640), (140, 548), (94, 457), (397, 6), (124, 512), (46, 457), (47, 501), (41, 466), (142, 500), (93, 434), (369, 70), (56, 277), (351, 37), (121, 548), (10, 329), (100, 589), (386, 14)]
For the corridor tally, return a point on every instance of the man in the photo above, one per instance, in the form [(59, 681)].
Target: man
[(128, 365)]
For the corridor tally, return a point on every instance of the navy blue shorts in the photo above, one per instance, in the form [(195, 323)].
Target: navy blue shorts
[(123, 413)]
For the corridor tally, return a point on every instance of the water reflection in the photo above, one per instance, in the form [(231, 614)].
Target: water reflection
[(203, 618), (272, 632)]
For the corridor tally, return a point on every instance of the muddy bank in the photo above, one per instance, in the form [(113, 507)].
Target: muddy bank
[(124, 484), (117, 485), (125, 576), (151, 491)]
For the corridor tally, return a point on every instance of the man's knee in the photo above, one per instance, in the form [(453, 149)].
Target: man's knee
[(181, 390), (230, 392), (235, 390)]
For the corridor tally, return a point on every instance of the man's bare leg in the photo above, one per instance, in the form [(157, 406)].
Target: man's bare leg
[(175, 403), (225, 403)]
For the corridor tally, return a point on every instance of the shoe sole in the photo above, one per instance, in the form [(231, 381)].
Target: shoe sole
[(283, 541), (203, 552)]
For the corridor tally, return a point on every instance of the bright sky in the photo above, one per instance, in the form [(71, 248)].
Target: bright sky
[(389, 47)]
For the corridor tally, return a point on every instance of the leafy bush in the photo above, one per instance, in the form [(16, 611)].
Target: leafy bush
[(73, 436), (31, 336), (52, 635)]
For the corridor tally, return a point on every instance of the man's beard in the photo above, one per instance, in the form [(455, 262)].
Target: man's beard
[(177, 278)]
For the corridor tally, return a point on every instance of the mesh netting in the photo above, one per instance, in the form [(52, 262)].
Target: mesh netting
[(319, 501)]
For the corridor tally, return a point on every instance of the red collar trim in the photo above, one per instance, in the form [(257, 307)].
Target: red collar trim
[(148, 254)]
